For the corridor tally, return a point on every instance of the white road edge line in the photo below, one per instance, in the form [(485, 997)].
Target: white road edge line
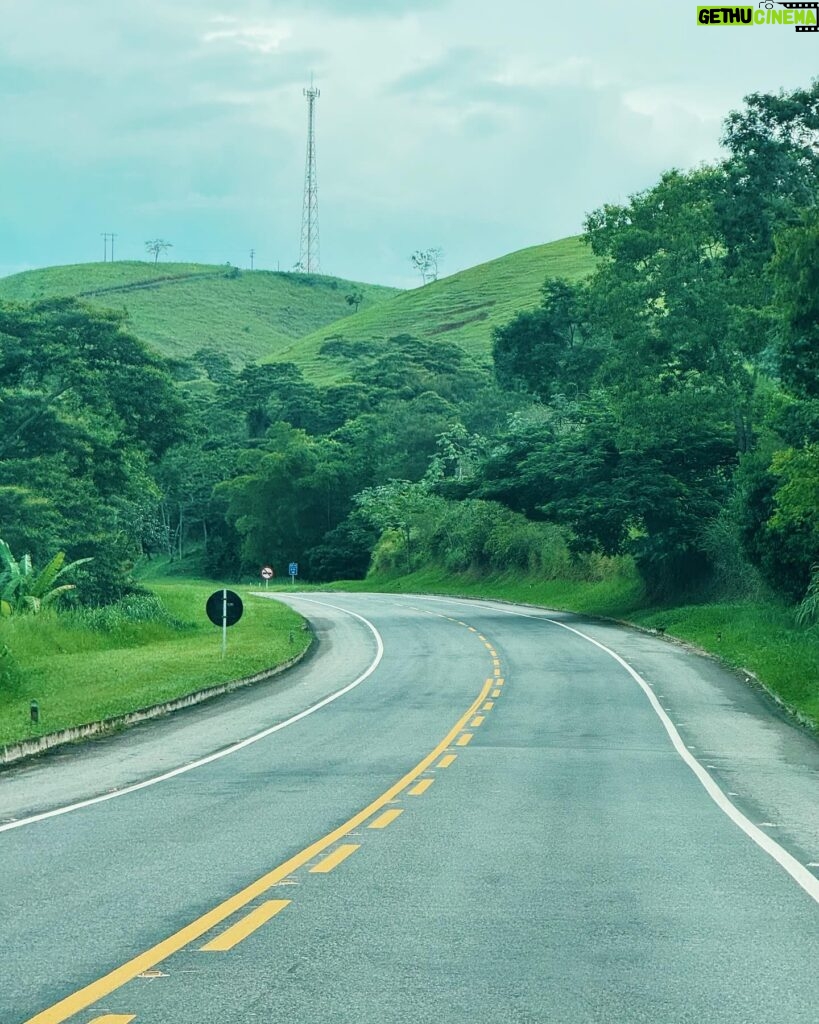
[(228, 750), (798, 872)]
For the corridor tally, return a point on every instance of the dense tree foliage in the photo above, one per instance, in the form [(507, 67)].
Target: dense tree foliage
[(86, 412), (666, 407)]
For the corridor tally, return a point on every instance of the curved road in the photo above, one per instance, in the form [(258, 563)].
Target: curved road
[(453, 811)]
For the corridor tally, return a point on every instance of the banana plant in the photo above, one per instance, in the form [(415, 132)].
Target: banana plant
[(23, 589)]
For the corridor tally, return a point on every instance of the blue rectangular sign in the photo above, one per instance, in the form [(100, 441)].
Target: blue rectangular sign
[(293, 569)]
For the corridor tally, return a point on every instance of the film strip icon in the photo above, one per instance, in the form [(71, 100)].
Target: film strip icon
[(804, 7)]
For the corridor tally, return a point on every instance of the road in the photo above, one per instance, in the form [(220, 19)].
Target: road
[(453, 811)]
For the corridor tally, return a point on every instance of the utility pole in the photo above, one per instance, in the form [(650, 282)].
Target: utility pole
[(252, 254), (309, 252), (105, 236)]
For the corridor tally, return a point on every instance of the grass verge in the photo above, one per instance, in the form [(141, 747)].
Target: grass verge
[(760, 637), (87, 666)]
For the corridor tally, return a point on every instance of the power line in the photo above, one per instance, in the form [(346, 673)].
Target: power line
[(309, 252)]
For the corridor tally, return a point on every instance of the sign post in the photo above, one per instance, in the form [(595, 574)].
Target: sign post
[(224, 608), (293, 569)]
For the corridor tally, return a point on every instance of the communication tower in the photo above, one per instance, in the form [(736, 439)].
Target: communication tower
[(309, 252)]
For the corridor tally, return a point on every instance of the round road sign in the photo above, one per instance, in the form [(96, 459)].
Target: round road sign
[(224, 607), (267, 572)]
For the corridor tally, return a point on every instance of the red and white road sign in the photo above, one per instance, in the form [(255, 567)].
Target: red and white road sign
[(267, 572)]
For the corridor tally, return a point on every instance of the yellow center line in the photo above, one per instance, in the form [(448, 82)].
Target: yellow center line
[(334, 859), (481, 637), (230, 937), (497, 671), (463, 740), (445, 762), (476, 721), (92, 993), (493, 652), (472, 629), (386, 818), (114, 1018), (496, 693), (421, 787), (496, 662), (487, 706)]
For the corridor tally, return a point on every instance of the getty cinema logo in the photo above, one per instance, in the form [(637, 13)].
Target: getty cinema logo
[(803, 16)]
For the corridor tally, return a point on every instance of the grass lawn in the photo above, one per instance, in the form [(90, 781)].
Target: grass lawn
[(761, 637), (80, 674)]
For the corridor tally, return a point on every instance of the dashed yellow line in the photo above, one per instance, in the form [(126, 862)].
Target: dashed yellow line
[(476, 721), (248, 924), (92, 993), (488, 706), (333, 859), (421, 787), (496, 693), (386, 818)]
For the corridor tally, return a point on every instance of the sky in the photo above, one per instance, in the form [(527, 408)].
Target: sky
[(479, 127)]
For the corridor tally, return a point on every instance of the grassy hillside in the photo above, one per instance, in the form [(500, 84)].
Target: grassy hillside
[(179, 307), (462, 309)]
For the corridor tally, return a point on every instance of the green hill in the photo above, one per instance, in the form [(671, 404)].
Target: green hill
[(462, 309), (180, 307)]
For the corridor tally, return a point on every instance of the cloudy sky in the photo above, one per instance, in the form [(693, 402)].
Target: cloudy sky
[(478, 126)]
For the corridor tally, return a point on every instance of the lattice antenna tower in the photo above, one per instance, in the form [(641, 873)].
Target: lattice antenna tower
[(309, 253)]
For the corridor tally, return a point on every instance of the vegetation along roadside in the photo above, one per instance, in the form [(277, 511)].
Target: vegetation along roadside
[(88, 664)]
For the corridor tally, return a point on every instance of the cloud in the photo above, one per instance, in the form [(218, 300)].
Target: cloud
[(456, 66), (258, 38)]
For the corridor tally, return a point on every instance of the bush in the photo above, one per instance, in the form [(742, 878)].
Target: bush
[(10, 673), (134, 609)]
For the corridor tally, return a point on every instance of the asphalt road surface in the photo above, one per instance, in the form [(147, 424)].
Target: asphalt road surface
[(451, 812)]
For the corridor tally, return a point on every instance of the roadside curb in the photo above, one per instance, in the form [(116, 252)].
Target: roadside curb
[(17, 752)]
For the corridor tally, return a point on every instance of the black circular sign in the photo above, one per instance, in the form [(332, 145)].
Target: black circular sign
[(216, 603)]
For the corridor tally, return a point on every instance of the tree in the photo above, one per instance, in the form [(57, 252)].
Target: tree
[(426, 261), (796, 275), (542, 351), (395, 506), (24, 590), (157, 246), (355, 299)]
